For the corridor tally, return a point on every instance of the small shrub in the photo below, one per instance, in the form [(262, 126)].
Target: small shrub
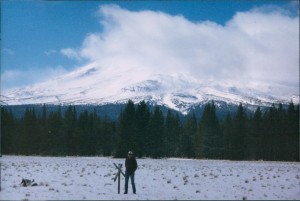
[(185, 179)]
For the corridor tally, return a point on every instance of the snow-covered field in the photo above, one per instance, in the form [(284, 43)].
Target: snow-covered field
[(79, 178)]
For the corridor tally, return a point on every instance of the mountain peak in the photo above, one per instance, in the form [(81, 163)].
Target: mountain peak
[(95, 85)]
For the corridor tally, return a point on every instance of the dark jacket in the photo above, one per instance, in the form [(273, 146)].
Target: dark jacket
[(130, 165)]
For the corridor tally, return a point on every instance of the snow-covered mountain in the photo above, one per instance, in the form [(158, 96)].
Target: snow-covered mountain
[(95, 85)]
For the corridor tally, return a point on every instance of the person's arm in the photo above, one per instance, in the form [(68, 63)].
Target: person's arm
[(135, 165)]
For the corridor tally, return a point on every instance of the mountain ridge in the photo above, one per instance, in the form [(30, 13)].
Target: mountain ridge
[(95, 85)]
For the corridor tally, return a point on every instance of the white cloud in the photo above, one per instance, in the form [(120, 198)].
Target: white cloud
[(70, 53), (19, 78), (258, 46), (269, 45)]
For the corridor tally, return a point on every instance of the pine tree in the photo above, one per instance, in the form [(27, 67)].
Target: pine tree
[(172, 132), (126, 131), (94, 123), (269, 140), (280, 142), (141, 121), (43, 131), (55, 131), (87, 123), (156, 133), (239, 133), (70, 132), (211, 140), (7, 131), (107, 137), (83, 129), (293, 132), (30, 136), (227, 128), (255, 134), (188, 138)]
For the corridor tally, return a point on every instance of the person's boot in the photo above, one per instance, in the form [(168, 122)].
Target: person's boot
[(125, 192)]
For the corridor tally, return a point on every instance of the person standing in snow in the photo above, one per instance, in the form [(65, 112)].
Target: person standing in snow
[(131, 166)]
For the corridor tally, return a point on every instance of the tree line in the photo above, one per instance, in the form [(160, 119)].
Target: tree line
[(266, 135)]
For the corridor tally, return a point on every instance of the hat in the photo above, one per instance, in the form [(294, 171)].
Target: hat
[(130, 153)]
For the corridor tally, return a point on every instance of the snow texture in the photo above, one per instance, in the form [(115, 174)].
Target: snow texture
[(80, 178)]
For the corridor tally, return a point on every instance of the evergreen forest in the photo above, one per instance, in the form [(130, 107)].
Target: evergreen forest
[(272, 134)]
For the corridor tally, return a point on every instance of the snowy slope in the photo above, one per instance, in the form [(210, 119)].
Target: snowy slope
[(91, 178), (93, 84)]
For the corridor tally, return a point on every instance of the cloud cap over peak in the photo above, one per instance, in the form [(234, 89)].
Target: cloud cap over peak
[(253, 47)]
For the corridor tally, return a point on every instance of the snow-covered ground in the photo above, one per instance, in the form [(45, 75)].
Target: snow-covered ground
[(79, 178)]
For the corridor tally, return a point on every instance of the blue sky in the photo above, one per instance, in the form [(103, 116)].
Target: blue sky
[(34, 33)]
